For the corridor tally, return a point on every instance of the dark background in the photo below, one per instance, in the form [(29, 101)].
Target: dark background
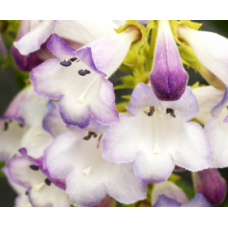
[(8, 89)]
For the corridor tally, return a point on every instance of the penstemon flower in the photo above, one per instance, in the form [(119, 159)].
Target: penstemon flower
[(76, 157), (78, 79), (156, 136)]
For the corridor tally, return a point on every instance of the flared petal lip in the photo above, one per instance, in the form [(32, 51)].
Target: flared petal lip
[(218, 108)]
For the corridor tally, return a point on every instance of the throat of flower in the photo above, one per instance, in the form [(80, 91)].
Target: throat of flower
[(87, 170), (156, 147), (39, 186), (81, 98)]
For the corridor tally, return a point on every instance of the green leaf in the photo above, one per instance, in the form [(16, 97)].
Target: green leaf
[(2, 164), (186, 187)]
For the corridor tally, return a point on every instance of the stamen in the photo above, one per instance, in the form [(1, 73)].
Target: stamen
[(73, 59), (65, 63), (82, 96), (84, 72), (26, 193), (6, 126), (10, 121), (21, 125), (47, 182), (151, 112), (34, 167), (39, 186), (171, 112), (90, 134)]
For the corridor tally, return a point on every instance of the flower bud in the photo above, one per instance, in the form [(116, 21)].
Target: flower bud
[(168, 77), (210, 183)]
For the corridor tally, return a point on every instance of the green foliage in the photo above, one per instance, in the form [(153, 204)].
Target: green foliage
[(2, 164), (186, 187)]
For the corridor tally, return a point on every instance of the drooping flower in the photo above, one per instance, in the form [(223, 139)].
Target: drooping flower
[(156, 136), (213, 113), (41, 190), (168, 194), (76, 157), (168, 77), (210, 49), (30, 49), (210, 183), (78, 79)]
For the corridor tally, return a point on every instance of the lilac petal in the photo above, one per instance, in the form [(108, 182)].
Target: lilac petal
[(61, 50), (103, 108), (32, 41), (210, 183), (198, 201), (25, 62), (168, 77), (170, 190), (13, 111), (187, 106), (218, 108), (142, 96), (207, 97), (52, 122), (21, 173), (164, 201), (3, 50)]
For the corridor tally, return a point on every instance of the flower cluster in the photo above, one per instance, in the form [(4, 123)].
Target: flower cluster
[(66, 142)]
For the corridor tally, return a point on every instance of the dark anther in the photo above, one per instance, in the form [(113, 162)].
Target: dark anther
[(83, 72), (90, 134), (6, 125), (65, 63), (73, 59), (21, 125), (151, 112), (26, 193), (34, 167), (10, 121), (171, 112), (47, 182)]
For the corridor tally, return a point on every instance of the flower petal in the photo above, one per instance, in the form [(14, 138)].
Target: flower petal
[(193, 152), (207, 97), (198, 201), (210, 48), (170, 190), (164, 201), (32, 41)]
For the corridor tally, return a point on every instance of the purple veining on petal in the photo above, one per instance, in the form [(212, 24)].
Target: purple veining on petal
[(218, 108), (168, 77), (164, 201), (225, 120)]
